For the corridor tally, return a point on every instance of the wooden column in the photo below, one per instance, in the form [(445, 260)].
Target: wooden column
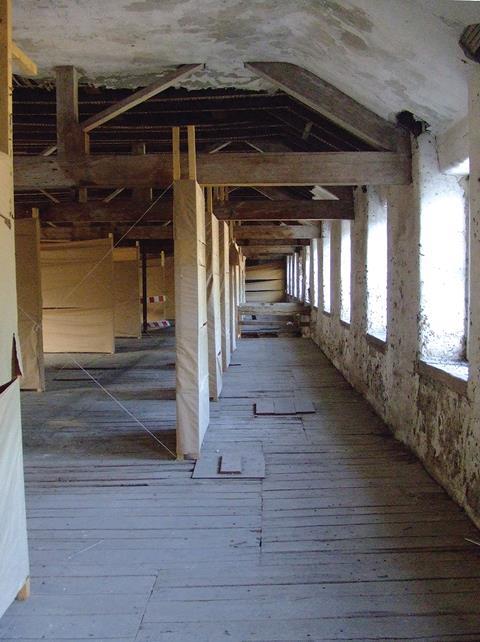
[(191, 327), (144, 289), (224, 244), (71, 140), (141, 194), (14, 565), (213, 300)]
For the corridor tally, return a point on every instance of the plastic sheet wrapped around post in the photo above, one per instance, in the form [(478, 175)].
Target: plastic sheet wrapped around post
[(78, 300), (29, 302), (234, 257), (224, 246), (14, 564), (213, 306), (127, 292), (193, 412)]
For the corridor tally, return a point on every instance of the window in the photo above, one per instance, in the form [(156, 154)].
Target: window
[(345, 271), (443, 270), (295, 275), (377, 258), (289, 274), (326, 240), (306, 254), (314, 284)]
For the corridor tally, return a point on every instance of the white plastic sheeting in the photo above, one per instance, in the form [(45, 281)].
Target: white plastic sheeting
[(14, 563), (193, 412), (213, 306), (224, 255), (78, 301), (29, 301)]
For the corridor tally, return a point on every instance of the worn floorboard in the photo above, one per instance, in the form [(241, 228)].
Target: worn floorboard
[(346, 538)]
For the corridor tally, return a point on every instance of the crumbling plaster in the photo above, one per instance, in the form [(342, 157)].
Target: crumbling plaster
[(389, 55), (439, 423)]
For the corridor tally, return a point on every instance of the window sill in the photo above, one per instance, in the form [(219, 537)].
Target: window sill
[(452, 375), (379, 344), (326, 313), (345, 324)]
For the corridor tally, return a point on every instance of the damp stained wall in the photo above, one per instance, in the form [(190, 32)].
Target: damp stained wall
[(435, 419)]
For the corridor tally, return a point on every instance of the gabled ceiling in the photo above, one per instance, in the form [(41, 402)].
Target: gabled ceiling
[(390, 55)]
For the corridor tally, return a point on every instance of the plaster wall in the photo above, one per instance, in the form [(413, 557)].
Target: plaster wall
[(432, 417)]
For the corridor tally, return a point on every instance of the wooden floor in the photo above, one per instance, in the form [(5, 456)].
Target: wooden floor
[(347, 538)]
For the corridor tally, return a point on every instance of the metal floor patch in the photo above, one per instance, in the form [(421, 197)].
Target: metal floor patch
[(241, 463)]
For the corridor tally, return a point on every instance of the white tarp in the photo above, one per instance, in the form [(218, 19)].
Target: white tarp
[(29, 301), (224, 246), (213, 306), (14, 565), (78, 301), (193, 412)]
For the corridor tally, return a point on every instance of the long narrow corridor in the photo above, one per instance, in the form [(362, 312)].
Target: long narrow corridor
[(345, 537)]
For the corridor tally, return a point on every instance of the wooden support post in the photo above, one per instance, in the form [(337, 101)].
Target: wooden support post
[(177, 172), (71, 140), (144, 288), (224, 245), (141, 194), (191, 326), (192, 154), (213, 299)]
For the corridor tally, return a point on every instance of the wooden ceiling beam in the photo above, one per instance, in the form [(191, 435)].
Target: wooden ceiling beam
[(273, 241), (230, 169), (264, 250), (329, 101), (126, 211), (277, 232), (284, 210), (28, 67)]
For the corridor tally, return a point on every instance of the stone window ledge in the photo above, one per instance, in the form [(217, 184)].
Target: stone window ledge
[(453, 375), (326, 313), (375, 342), (345, 324)]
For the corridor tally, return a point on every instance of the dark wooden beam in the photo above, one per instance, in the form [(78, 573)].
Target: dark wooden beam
[(329, 101), (263, 242), (276, 232), (283, 210), (127, 211), (264, 250), (229, 169)]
